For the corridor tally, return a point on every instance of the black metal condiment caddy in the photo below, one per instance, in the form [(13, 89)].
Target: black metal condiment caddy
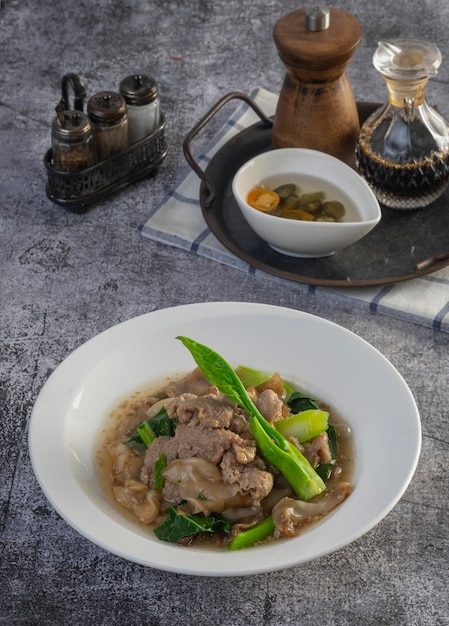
[(77, 190)]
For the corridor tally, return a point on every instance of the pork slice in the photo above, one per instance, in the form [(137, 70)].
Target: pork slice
[(240, 423), (275, 383), (211, 411), (168, 446), (199, 484), (206, 443), (125, 464), (270, 405), (195, 383), (250, 479), (317, 450), (245, 451), (289, 514)]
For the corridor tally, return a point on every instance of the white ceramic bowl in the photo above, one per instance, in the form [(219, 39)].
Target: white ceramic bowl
[(73, 405), (312, 171)]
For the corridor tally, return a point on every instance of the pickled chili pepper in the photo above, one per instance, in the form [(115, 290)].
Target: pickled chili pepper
[(263, 199)]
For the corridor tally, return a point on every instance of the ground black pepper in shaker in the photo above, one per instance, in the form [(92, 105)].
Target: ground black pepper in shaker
[(72, 139), (109, 116)]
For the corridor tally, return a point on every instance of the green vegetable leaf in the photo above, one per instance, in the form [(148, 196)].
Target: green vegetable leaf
[(290, 461), (304, 425), (324, 470), (148, 430), (159, 466), (219, 373), (177, 526), (299, 401), (253, 535), (143, 438), (162, 424), (332, 439)]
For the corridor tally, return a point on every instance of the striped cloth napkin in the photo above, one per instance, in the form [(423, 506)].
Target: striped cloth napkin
[(179, 222)]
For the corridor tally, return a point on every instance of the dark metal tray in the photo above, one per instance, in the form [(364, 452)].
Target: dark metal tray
[(404, 245)]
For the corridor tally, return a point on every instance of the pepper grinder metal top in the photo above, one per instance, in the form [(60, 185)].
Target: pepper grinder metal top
[(317, 18), (316, 107)]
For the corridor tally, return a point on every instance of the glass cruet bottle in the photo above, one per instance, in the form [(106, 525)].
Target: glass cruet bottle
[(403, 148)]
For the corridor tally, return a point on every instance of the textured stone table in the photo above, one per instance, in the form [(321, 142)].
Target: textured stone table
[(65, 277)]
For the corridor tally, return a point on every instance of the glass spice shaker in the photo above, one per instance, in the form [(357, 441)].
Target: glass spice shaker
[(109, 116), (73, 145), (403, 147), (72, 140), (142, 100)]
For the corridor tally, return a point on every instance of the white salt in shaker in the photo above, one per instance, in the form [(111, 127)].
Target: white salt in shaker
[(142, 100)]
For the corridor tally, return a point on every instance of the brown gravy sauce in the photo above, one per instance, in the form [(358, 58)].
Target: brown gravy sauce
[(132, 407)]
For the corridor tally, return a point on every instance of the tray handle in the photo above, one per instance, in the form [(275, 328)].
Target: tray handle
[(210, 189)]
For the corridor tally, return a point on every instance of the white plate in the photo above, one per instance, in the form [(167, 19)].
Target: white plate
[(325, 359)]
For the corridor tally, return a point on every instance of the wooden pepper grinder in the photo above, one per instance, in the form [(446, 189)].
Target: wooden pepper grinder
[(316, 107)]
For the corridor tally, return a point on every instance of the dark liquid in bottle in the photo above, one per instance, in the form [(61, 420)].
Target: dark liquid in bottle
[(403, 165)]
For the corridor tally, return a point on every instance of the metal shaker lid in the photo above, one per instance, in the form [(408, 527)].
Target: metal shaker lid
[(106, 107), (139, 89), (71, 125)]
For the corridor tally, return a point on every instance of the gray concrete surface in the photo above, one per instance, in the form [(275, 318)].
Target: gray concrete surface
[(66, 277)]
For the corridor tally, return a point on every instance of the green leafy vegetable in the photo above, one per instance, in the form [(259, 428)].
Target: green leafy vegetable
[(299, 401), (143, 437), (304, 425), (177, 525), (219, 373), (148, 430), (332, 437), (304, 480), (324, 470), (162, 424), (159, 466), (274, 447), (256, 533)]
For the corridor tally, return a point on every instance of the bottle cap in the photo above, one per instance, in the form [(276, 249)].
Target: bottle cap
[(407, 58)]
